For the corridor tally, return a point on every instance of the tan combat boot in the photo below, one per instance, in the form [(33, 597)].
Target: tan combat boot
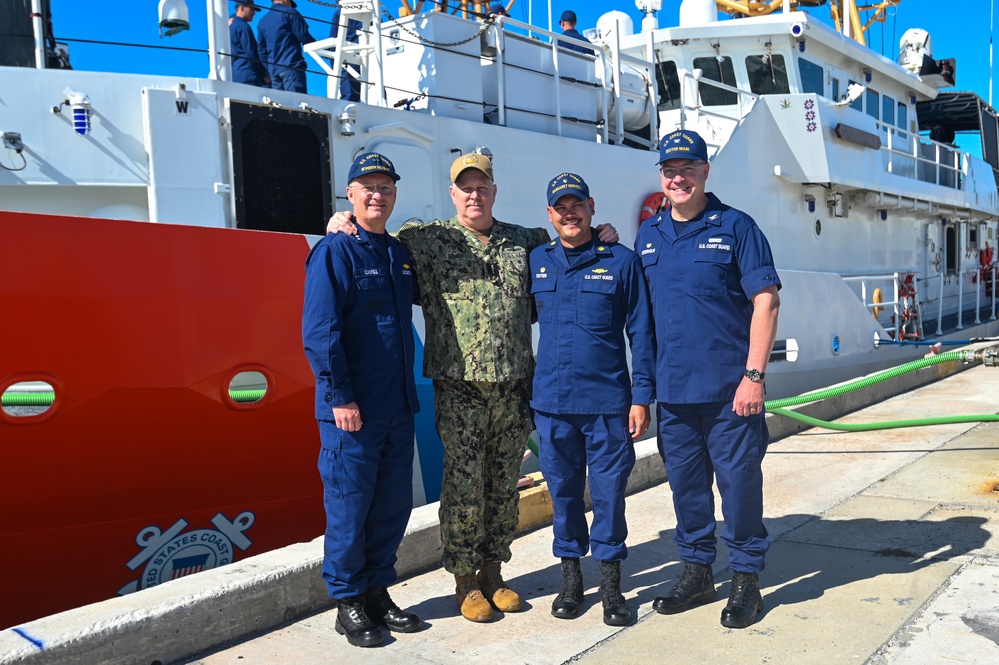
[(496, 590), (472, 603)]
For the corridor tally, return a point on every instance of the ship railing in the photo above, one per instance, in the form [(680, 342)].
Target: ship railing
[(915, 156), (873, 286), (603, 64), (979, 282), (745, 101)]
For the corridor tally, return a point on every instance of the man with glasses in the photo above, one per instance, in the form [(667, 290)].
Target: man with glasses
[(586, 408), (473, 276), (358, 335), (714, 288)]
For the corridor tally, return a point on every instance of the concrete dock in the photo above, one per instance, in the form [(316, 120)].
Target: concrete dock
[(884, 552)]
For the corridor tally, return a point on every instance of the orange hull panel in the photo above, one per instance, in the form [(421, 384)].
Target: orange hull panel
[(143, 469)]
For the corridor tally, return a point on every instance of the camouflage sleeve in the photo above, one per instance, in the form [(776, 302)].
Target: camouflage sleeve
[(539, 237)]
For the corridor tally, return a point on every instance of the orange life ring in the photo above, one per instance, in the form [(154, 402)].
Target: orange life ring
[(653, 205)]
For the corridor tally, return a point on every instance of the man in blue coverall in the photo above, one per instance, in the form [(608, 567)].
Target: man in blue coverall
[(246, 65), (568, 24), (281, 33), (713, 286), (586, 409), (358, 336)]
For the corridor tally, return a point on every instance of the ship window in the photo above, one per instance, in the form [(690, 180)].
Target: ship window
[(713, 70), (858, 103), (811, 77), (27, 398), (972, 237), (888, 110), (767, 74), (871, 103), (668, 83), (835, 90), (903, 116), (247, 387)]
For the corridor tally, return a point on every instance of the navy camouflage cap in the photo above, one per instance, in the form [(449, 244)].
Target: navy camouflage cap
[(567, 183), (371, 162)]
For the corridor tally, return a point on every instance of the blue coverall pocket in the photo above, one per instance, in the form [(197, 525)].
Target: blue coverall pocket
[(596, 302), (331, 463), (711, 270), (543, 291)]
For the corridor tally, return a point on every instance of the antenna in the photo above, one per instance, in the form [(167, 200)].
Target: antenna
[(992, 16)]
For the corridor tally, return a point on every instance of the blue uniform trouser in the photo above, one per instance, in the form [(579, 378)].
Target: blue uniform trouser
[(569, 444), (368, 482), (701, 442), (292, 80)]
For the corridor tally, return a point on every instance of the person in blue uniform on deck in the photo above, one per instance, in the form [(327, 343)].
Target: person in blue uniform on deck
[(350, 86), (281, 33), (358, 336), (246, 65), (568, 24), (586, 408), (713, 286)]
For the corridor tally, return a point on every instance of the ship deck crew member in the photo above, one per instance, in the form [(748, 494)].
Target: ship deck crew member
[(246, 65), (281, 33), (714, 288), (358, 335), (473, 277), (568, 24), (587, 408)]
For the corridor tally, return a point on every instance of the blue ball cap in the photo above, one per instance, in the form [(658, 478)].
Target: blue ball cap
[(371, 162), (683, 144), (497, 8), (567, 183), (568, 15)]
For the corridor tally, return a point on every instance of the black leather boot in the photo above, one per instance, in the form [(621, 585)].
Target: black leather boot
[(383, 611), (566, 604), (696, 585), (745, 601), (616, 613), (353, 622)]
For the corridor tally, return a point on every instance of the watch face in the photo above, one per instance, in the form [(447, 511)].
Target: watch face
[(754, 375)]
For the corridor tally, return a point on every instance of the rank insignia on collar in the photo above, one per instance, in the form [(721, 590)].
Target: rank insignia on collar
[(552, 243)]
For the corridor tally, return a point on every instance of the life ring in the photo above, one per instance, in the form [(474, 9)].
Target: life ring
[(653, 205), (877, 299)]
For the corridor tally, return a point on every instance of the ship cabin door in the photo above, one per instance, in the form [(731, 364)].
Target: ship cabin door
[(951, 249)]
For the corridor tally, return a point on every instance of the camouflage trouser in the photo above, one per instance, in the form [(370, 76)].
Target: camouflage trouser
[(484, 428)]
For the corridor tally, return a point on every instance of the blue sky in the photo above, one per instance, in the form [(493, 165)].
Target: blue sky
[(960, 34)]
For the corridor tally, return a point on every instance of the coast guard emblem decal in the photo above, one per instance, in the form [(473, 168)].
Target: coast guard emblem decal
[(172, 554)]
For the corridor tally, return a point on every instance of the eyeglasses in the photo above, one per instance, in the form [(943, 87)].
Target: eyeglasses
[(686, 171), (371, 190)]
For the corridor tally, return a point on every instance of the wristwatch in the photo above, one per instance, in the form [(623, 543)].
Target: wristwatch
[(754, 375)]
